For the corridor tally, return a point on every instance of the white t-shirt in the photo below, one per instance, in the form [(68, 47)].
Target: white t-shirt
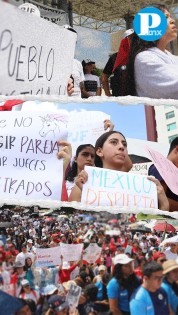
[(92, 82), (78, 75), (33, 295), (170, 255), (156, 74), (22, 256)]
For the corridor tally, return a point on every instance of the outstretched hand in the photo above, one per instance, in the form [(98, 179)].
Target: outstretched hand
[(108, 125), (65, 153)]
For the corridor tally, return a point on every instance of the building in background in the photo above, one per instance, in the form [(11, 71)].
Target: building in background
[(166, 123)]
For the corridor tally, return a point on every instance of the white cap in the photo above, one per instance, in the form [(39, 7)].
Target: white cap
[(65, 265), (25, 282), (29, 241), (128, 33), (102, 267), (122, 259)]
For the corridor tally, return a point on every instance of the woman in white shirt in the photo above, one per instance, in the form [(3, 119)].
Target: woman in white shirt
[(152, 69)]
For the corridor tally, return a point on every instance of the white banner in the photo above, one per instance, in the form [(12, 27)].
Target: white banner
[(53, 15), (71, 252), (28, 162), (113, 188), (35, 55), (92, 253), (48, 257)]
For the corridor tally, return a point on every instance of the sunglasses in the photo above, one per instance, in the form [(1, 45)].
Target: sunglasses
[(162, 260)]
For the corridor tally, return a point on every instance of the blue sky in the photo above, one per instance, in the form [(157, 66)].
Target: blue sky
[(129, 119), (95, 45)]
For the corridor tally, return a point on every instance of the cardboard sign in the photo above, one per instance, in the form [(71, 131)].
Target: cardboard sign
[(92, 253), (28, 148), (113, 188), (166, 168), (73, 295), (31, 60), (71, 252), (48, 257), (141, 168)]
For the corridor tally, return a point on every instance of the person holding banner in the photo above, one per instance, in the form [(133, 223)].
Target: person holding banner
[(111, 153), (85, 154)]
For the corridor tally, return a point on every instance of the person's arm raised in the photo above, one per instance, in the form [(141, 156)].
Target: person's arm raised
[(77, 189)]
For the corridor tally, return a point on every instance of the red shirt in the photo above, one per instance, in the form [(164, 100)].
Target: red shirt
[(64, 274)]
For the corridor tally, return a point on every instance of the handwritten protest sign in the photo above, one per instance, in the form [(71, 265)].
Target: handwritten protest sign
[(31, 60), (83, 126), (28, 162), (114, 188), (73, 295), (141, 168), (92, 253), (48, 257), (166, 168), (71, 252)]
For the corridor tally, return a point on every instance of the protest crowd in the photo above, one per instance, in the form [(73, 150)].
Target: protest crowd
[(69, 262), (101, 280)]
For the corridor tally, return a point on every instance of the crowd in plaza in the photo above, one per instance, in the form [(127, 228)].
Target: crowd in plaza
[(131, 264)]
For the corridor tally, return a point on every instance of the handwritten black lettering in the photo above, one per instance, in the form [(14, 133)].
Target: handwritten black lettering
[(25, 122), (3, 161), (18, 64), (2, 123), (7, 142), (32, 165)]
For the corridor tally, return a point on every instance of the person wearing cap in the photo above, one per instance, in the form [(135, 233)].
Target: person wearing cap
[(91, 82), (30, 245), (150, 298), (27, 292), (123, 283), (102, 302), (66, 269), (159, 257), (18, 275), (170, 272), (24, 254), (57, 305), (111, 65), (102, 271)]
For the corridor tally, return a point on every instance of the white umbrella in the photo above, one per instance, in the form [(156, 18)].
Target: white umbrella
[(173, 239)]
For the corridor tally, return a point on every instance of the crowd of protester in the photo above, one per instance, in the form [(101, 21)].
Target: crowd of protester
[(107, 285)]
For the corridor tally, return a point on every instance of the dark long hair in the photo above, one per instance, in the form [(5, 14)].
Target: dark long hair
[(130, 284), (138, 45), (72, 172), (99, 144)]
